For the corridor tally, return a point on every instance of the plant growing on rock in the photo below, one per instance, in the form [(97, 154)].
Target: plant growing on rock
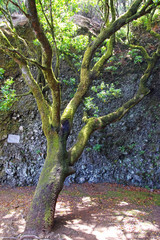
[(7, 93), (56, 126)]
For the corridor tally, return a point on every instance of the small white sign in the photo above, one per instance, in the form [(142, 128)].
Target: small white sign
[(13, 138)]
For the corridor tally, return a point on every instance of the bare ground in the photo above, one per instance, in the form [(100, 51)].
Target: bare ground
[(88, 212)]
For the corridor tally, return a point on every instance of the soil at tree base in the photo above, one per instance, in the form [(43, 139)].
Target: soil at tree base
[(88, 212)]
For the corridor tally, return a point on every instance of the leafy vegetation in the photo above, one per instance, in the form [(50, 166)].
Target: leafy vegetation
[(7, 93), (104, 92), (134, 53)]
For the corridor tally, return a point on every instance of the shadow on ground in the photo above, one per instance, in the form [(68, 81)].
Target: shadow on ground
[(88, 212)]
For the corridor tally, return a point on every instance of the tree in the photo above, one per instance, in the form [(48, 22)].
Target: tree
[(56, 126)]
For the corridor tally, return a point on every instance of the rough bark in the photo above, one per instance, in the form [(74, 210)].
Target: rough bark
[(56, 169), (41, 215)]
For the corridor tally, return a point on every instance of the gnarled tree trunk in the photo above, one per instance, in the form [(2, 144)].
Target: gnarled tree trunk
[(54, 172)]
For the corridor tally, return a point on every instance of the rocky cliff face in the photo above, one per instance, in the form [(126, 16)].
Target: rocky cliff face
[(126, 152)]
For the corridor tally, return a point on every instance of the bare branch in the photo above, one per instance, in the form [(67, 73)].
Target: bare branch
[(51, 26), (14, 51), (143, 51), (15, 4), (23, 94)]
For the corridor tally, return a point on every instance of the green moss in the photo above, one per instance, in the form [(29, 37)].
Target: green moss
[(48, 216), (142, 198), (139, 197)]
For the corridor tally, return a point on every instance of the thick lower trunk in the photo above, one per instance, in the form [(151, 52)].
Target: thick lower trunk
[(41, 214)]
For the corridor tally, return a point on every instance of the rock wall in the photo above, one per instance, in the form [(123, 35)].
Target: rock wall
[(126, 152)]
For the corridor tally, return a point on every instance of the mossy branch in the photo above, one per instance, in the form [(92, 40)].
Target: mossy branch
[(46, 67), (4, 42), (43, 107), (155, 34), (5, 45), (72, 106), (98, 65), (7, 15), (18, 39), (13, 52), (11, 30), (47, 54), (147, 8), (85, 118), (23, 94), (82, 139), (113, 11), (143, 51)]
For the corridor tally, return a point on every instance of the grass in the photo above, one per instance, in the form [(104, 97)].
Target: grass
[(135, 197), (140, 198)]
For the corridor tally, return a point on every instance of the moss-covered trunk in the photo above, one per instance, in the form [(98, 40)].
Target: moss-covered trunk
[(54, 172)]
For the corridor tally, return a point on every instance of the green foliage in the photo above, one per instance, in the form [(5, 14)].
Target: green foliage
[(144, 21), (86, 5), (7, 94), (114, 63), (156, 1), (141, 152), (38, 151), (67, 41), (97, 147), (138, 59), (106, 92), (113, 69), (131, 146), (134, 53), (101, 51), (70, 81), (122, 149), (89, 104), (36, 42), (2, 71), (12, 8), (122, 33)]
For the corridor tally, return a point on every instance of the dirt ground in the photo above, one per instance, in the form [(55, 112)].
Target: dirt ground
[(88, 212)]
